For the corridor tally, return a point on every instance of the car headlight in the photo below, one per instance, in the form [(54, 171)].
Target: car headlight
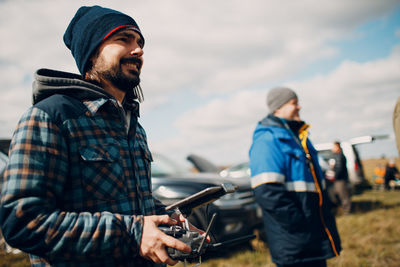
[(169, 192)]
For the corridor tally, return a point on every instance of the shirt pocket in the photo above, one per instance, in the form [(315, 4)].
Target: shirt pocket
[(102, 172), (143, 159)]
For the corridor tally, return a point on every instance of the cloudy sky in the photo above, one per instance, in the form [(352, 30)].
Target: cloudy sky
[(209, 65)]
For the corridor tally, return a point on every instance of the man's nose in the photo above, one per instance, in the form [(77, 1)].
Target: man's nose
[(137, 51)]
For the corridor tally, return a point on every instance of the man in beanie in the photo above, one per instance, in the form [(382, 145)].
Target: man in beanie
[(77, 189), (290, 188)]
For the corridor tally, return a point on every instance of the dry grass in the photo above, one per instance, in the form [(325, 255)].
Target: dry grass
[(370, 237), (13, 260)]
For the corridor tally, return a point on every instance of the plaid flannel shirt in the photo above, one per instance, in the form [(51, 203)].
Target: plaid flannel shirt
[(77, 184)]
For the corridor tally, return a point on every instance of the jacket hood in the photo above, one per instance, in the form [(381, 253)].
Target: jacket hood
[(49, 82), (274, 121)]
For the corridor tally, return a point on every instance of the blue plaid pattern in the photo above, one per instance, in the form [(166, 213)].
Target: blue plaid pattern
[(77, 186)]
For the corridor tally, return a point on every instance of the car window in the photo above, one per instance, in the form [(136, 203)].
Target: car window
[(162, 166)]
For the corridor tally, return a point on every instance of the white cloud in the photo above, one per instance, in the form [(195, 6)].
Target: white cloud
[(216, 51), (355, 99)]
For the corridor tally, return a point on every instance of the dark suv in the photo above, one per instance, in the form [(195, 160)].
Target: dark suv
[(237, 213)]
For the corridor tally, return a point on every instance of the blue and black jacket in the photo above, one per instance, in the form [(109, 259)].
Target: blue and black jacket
[(289, 186), (78, 180)]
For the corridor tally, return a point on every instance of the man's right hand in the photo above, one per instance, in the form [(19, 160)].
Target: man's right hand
[(154, 241)]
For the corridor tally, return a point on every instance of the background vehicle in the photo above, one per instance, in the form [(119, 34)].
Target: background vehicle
[(238, 213)]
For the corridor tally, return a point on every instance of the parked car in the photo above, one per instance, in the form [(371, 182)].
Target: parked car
[(237, 213)]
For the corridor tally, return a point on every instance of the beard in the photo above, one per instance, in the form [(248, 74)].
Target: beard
[(128, 83), (119, 79)]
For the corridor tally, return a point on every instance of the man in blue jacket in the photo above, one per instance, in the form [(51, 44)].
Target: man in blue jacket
[(290, 188)]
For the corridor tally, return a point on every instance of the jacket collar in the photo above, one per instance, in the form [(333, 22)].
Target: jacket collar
[(273, 121)]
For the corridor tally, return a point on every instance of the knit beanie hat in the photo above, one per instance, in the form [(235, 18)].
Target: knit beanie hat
[(89, 27), (279, 96)]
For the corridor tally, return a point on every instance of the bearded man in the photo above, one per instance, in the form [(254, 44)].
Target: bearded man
[(77, 188)]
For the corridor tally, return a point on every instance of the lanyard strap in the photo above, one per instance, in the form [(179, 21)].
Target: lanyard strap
[(301, 139)]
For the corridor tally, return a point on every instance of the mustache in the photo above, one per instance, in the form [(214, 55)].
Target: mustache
[(133, 60)]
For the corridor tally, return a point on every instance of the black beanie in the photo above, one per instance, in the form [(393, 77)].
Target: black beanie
[(89, 27)]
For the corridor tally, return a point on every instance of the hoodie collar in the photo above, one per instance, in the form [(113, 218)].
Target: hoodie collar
[(49, 82)]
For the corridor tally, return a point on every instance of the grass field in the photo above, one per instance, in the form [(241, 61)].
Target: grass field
[(370, 238)]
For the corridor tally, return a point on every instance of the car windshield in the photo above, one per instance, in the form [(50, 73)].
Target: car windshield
[(163, 166)]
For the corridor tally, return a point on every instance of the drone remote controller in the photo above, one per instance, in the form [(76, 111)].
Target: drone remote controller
[(193, 238)]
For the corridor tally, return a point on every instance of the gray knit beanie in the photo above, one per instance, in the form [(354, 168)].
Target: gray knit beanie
[(279, 96)]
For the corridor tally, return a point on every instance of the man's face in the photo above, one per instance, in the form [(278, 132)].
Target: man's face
[(119, 60), (289, 110), (336, 148)]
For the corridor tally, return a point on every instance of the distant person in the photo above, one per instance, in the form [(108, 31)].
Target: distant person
[(77, 189), (391, 173), (290, 188), (396, 123), (379, 174), (341, 177)]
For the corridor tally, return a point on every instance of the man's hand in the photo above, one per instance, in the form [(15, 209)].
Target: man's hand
[(154, 241)]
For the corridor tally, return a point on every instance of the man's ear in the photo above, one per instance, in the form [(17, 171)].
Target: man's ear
[(89, 64)]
